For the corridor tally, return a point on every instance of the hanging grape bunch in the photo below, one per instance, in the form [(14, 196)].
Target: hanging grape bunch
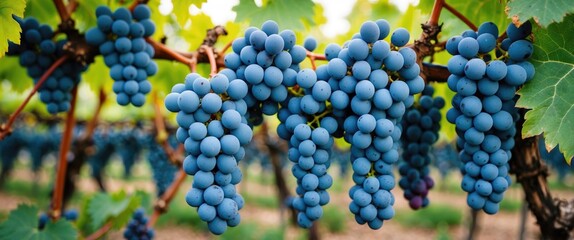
[(137, 227), (421, 125), (120, 38), (483, 106), (38, 51), (214, 133)]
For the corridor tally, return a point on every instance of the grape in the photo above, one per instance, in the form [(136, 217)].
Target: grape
[(119, 37), (38, 52), (310, 44), (400, 37), (370, 32), (483, 107), (137, 227)]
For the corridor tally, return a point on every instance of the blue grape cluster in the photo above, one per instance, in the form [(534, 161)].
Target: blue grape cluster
[(120, 39), (214, 131), (267, 61), (37, 53), (421, 125), (137, 228), (131, 141), (69, 215), (373, 82), (104, 149), (483, 106), (162, 170)]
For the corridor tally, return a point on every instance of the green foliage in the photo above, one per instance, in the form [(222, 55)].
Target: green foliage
[(334, 219), (84, 15), (115, 207), (245, 230), (10, 29), (261, 201), (549, 94), (510, 205), (44, 11), (287, 13), (22, 223), (544, 12), (430, 217)]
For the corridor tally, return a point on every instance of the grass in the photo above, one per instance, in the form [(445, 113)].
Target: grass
[(269, 202), (510, 205), (250, 230), (430, 217), (334, 219), (36, 192)]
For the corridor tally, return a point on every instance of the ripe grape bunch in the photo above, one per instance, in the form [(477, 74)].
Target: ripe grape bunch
[(372, 83), (267, 61), (214, 131), (421, 125), (163, 171), (37, 53), (483, 107), (120, 38), (137, 228)]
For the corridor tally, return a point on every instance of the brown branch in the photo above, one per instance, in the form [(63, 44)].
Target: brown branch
[(162, 203), (460, 16), (554, 216), (98, 234), (163, 52), (210, 55), (435, 73), (6, 129), (58, 193), (72, 6), (316, 56), (136, 3), (62, 10), (436, 9), (162, 134), (226, 47)]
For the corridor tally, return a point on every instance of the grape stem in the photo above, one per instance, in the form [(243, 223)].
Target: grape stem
[(94, 121), (162, 204), (136, 3), (162, 134), (436, 10), (100, 232), (163, 51), (211, 56), (6, 129), (58, 193), (62, 10), (460, 16)]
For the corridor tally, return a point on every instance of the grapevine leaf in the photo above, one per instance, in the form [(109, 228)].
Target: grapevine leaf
[(169, 74), (44, 12), (85, 15), (10, 29), (11, 71), (287, 13), (181, 11), (549, 95), (544, 12), (98, 76), (22, 223), (117, 207)]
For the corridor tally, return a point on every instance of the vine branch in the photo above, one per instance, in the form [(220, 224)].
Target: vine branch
[(6, 129), (162, 203), (100, 232), (58, 193), (436, 10), (460, 16), (62, 10)]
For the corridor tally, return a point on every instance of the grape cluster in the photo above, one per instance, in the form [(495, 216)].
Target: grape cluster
[(130, 140), (137, 228), (70, 215), (373, 82), (483, 106), (9, 149), (214, 131), (37, 53), (420, 125), (105, 147), (267, 61), (163, 171), (120, 39)]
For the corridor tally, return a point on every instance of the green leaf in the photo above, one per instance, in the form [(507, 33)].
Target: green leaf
[(544, 12), (549, 95), (181, 11), (98, 76), (44, 11), (11, 71), (10, 29), (117, 208), (287, 13), (22, 223), (85, 14)]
